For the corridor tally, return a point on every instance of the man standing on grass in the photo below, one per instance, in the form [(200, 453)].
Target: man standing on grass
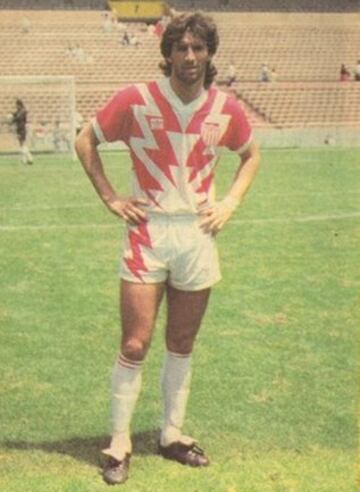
[(175, 129), (19, 119)]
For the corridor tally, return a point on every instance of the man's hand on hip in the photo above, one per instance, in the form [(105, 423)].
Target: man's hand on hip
[(129, 209), (215, 217)]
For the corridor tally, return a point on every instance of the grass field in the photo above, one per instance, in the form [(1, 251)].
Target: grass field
[(274, 387)]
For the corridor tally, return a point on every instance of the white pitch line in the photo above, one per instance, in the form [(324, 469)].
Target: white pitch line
[(308, 218), (48, 207), (49, 227), (284, 220), (98, 204)]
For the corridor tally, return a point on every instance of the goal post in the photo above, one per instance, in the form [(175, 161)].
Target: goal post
[(51, 105)]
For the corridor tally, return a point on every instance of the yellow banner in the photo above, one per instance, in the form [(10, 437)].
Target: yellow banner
[(146, 9)]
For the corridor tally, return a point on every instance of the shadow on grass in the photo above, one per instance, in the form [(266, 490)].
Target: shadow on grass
[(88, 449)]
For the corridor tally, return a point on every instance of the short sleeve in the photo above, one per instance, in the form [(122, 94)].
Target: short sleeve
[(113, 121), (239, 133)]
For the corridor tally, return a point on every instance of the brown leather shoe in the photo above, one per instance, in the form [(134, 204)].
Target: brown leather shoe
[(186, 454), (115, 472)]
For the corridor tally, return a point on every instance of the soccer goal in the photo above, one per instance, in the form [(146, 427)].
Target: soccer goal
[(51, 119)]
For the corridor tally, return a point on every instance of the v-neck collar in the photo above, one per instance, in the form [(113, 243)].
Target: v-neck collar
[(175, 101)]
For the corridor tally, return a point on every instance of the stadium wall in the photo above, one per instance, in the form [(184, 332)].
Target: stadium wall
[(308, 137), (268, 138)]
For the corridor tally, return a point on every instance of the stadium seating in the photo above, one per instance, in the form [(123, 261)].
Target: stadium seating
[(300, 105), (306, 51), (300, 49), (268, 5), (53, 4)]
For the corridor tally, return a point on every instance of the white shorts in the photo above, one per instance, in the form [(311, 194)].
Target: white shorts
[(170, 249)]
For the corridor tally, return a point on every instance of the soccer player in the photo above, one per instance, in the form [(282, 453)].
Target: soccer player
[(175, 129), (19, 119)]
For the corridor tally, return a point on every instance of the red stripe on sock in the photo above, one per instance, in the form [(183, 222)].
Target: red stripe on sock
[(179, 356), (130, 364)]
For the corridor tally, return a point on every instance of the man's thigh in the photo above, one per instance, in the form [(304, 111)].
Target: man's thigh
[(139, 304), (185, 311)]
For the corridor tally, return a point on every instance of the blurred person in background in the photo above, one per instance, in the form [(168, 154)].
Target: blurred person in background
[(19, 120)]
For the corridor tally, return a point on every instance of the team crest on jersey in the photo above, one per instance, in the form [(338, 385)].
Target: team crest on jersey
[(210, 133), (156, 123)]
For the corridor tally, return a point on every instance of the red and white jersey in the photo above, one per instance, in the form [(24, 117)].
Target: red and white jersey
[(174, 146)]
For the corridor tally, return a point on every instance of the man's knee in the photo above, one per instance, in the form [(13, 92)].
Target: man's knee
[(134, 349), (180, 345)]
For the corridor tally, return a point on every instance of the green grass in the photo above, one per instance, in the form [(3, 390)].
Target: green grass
[(275, 369)]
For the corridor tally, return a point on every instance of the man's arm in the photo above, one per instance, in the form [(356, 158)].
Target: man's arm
[(86, 148), (216, 217)]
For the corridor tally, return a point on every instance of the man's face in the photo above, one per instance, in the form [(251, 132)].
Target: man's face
[(189, 58)]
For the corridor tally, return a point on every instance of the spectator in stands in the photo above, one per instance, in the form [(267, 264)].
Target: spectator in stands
[(273, 75), (357, 71), (159, 29), (231, 74), (129, 40), (264, 75), (25, 24), (107, 22), (344, 73), (80, 55), (134, 41), (19, 119), (125, 40)]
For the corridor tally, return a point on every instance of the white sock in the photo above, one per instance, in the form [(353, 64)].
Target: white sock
[(26, 154), (126, 385), (175, 385), (23, 154)]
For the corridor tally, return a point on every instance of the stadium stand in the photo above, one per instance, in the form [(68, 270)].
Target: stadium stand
[(27, 5), (207, 5), (269, 5), (299, 51), (313, 104), (306, 50)]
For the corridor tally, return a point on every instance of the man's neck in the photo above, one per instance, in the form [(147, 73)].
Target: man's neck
[(187, 93)]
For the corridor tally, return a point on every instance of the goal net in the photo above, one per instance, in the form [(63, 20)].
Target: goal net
[(51, 118)]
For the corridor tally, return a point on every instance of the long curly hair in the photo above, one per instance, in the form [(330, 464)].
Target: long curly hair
[(201, 26)]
